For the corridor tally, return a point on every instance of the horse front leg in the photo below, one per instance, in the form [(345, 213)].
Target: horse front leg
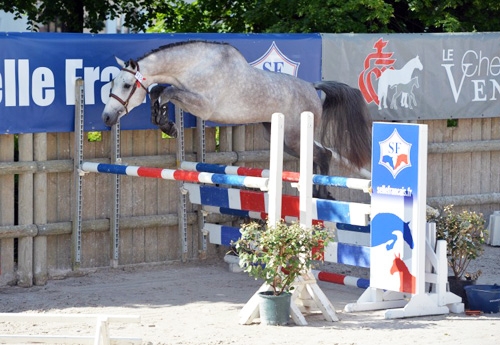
[(188, 101), (159, 112), (382, 98)]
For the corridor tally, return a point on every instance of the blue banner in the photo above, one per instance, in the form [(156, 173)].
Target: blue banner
[(38, 72)]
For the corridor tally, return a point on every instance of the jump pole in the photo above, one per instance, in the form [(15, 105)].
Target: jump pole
[(176, 175), (341, 279), (288, 176)]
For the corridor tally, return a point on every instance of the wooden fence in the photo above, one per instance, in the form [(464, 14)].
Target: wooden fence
[(37, 193)]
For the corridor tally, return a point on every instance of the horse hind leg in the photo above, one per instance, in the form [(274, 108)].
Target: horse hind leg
[(394, 101), (413, 99), (380, 101), (404, 100), (321, 165), (292, 150), (321, 161)]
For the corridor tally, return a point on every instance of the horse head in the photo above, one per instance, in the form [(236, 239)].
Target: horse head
[(127, 92), (398, 264), (418, 64)]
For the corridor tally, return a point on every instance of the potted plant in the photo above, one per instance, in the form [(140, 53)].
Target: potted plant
[(278, 254), (464, 233)]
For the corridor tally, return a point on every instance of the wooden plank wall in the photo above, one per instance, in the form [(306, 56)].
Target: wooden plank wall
[(7, 209), (448, 175), (452, 174), (60, 195)]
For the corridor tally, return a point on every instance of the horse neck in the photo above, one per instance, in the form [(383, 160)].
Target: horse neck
[(410, 65), (163, 67), (399, 266)]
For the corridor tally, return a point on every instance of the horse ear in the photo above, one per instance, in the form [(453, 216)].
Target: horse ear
[(120, 61), (132, 64)]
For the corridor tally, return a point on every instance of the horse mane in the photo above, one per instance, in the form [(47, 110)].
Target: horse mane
[(178, 44)]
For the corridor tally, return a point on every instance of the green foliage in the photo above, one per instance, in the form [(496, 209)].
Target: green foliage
[(166, 136), (320, 16), (329, 16), (94, 136), (281, 253), (77, 15), (258, 16), (455, 15), (202, 16), (452, 123), (465, 234)]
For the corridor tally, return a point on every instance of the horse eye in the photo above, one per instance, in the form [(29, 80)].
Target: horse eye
[(127, 86)]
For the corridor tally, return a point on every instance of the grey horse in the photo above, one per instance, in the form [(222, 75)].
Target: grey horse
[(213, 81)]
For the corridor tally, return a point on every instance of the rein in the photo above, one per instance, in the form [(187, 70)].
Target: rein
[(138, 83)]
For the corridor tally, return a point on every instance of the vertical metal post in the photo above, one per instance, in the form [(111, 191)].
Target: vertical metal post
[(76, 235), (200, 157), (115, 216), (182, 212)]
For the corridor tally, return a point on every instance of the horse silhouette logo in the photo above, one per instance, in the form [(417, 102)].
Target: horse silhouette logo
[(380, 77), (394, 77), (406, 92), (391, 240), (395, 153), (392, 232), (275, 61)]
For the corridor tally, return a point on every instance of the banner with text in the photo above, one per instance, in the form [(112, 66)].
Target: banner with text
[(419, 76), (38, 72)]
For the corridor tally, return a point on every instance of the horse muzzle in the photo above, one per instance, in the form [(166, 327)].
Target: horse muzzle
[(109, 119)]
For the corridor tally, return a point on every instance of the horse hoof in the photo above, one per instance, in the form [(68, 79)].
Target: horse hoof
[(169, 129)]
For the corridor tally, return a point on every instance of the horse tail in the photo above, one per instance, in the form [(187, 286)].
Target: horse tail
[(345, 122)]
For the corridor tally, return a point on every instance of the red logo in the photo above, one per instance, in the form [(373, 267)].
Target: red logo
[(375, 63)]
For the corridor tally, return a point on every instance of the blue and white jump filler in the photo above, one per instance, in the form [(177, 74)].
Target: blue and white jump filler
[(399, 173), (404, 255)]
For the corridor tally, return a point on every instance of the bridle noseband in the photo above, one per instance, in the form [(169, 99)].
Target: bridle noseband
[(138, 83)]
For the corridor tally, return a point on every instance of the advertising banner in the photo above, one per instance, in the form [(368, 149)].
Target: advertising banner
[(419, 76), (399, 175), (38, 72)]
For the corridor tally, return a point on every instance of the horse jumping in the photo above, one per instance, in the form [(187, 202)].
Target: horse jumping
[(213, 81)]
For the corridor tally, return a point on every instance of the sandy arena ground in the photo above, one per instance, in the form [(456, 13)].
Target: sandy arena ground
[(199, 303)]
